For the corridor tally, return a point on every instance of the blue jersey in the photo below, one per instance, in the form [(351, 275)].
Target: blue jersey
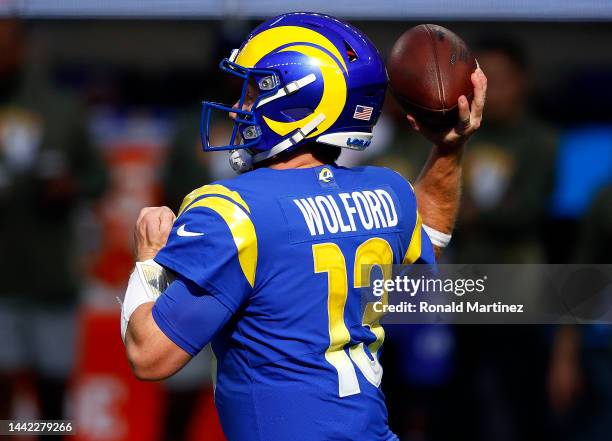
[(283, 250)]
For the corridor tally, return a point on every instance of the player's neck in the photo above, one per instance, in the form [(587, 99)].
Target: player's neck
[(301, 160)]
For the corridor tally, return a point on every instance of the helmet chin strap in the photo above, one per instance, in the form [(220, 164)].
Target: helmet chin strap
[(242, 161), (298, 136)]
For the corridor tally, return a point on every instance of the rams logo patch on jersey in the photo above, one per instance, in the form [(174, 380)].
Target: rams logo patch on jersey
[(326, 177)]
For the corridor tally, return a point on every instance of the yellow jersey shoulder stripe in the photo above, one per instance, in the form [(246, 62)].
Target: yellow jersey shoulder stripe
[(213, 189), (242, 229), (230, 206)]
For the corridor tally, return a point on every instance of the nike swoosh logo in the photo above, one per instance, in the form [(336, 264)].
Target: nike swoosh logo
[(184, 233)]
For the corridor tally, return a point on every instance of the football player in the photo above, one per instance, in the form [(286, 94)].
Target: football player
[(267, 266)]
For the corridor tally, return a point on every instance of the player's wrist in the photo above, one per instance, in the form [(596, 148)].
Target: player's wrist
[(438, 238), (450, 150), (452, 145), (144, 254)]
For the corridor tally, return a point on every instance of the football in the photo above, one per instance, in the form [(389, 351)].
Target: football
[(429, 69)]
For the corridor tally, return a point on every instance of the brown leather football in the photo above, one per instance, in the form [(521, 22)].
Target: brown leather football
[(429, 69)]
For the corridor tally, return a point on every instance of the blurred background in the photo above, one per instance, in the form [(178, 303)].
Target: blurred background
[(99, 117)]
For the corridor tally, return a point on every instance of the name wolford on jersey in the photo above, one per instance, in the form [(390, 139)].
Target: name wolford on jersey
[(283, 251), (373, 209)]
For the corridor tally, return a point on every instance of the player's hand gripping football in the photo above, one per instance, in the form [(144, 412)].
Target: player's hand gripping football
[(469, 118), (152, 230)]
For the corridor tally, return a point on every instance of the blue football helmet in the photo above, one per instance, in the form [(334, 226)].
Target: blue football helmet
[(319, 79)]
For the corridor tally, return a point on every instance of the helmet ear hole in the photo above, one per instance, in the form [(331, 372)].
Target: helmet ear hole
[(350, 52)]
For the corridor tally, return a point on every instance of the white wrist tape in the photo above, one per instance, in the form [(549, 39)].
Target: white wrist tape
[(437, 238), (146, 283)]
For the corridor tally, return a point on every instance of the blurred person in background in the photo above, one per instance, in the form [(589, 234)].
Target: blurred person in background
[(508, 180), (509, 168), (47, 168), (580, 373)]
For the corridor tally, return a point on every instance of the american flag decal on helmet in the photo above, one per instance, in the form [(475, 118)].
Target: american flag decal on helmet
[(363, 112)]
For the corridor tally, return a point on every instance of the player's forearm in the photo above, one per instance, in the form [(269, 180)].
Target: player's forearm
[(139, 342), (438, 188), (152, 355), (148, 349)]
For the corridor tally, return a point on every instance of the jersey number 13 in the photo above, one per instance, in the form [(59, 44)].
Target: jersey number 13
[(328, 258)]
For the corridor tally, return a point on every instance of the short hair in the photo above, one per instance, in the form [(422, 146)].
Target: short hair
[(327, 154), (509, 47)]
